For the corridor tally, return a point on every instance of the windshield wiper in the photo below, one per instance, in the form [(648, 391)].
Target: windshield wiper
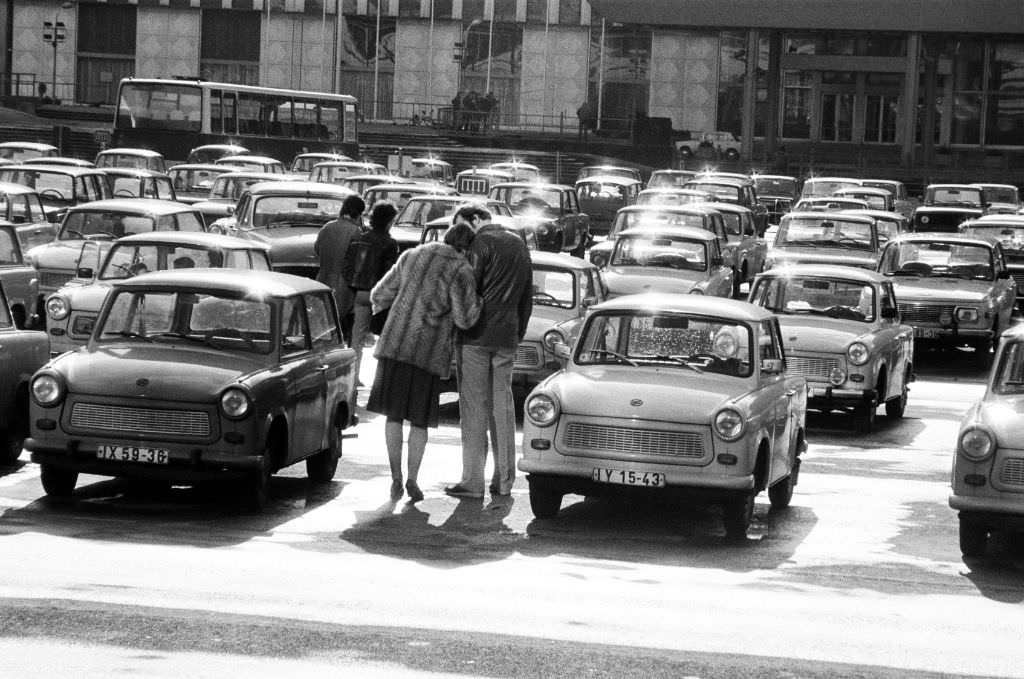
[(181, 335), (679, 360), (129, 333), (615, 354)]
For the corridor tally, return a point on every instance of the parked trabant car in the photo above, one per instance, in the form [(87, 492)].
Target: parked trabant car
[(954, 289), (877, 199), (425, 209), (19, 151), (833, 203), (226, 189), (130, 182), (435, 229), (21, 207), (194, 376), (696, 215), (333, 171), (844, 336), (88, 230), (826, 186), (588, 171), (59, 187), (520, 171), (738, 191), (400, 194), (71, 311), (720, 143), (672, 196), (777, 193), (825, 238), (1000, 198), (141, 159), (193, 181), (669, 179), (888, 225), (478, 181), (253, 163), (20, 280), (302, 163), (1009, 231), (988, 462), (678, 259), (601, 196), (946, 206), (903, 204), (564, 288), (286, 215), (553, 210), (24, 352), (209, 153), (432, 169), (743, 249), (666, 394)]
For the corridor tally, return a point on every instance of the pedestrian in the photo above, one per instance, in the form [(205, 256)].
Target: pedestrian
[(370, 255), (504, 279), (457, 110), (430, 291), (780, 163), (331, 247), (587, 120), (491, 108)]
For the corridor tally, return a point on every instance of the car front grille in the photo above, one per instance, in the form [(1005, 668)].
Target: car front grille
[(923, 313), (1018, 277), (588, 436), (527, 356), (776, 206), (1011, 472), (121, 419), (53, 279), (475, 186), (811, 367)]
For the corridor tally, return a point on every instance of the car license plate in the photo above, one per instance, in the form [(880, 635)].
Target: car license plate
[(926, 333), (629, 477), (133, 454)]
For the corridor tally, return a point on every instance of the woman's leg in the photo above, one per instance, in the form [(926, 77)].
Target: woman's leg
[(417, 445), (393, 439)]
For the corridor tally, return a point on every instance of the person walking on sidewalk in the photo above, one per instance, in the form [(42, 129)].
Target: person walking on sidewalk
[(504, 278), (430, 291), (331, 247)]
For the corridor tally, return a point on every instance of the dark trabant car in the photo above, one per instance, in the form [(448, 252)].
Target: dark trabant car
[(199, 375), (24, 351), (59, 186), (134, 182)]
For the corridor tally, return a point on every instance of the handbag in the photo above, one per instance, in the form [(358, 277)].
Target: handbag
[(378, 320)]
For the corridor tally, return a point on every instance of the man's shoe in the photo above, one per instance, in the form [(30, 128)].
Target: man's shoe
[(459, 491), (496, 490)]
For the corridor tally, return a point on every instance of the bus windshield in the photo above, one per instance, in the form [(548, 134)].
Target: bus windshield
[(160, 106)]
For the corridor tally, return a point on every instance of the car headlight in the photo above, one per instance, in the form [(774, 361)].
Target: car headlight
[(57, 307), (552, 337), (541, 409), (966, 315), (945, 318), (542, 229), (858, 353), (729, 424), (836, 376), (696, 291), (47, 390), (235, 403), (976, 443)]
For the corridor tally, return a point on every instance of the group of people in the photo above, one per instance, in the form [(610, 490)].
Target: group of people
[(474, 112), (468, 296)]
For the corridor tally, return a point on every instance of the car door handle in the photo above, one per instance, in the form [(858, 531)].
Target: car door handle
[(323, 368), (790, 392)]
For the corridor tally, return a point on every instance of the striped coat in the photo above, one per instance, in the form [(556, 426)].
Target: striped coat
[(431, 290)]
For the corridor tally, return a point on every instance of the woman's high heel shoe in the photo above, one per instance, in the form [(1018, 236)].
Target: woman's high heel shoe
[(415, 494)]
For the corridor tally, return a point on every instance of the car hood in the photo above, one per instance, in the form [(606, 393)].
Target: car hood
[(60, 254), (651, 393), (288, 244), (824, 255), (939, 290), (1002, 414), (543, 318), (819, 334), (166, 371), (85, 297), (627, 280)]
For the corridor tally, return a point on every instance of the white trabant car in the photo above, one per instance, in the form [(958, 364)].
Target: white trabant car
[(988, 464), (667, 259), (669, 394), (844, 336), (825, 238), (954, 289)]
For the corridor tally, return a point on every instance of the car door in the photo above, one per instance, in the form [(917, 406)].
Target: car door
[(897, 341), (1005, 287), (303, 377), (789, 403), (337, 362)]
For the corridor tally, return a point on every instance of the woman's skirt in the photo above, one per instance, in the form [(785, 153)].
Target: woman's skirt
[(405, 392)]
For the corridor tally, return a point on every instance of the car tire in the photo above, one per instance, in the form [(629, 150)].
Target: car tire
[(737, 515), (57, 482), (781, 494), (581, 249), (321, 468), (12, 439), (973, 538), (544, 501), (732, 154), (255, 490), (866, 417), (894, 408), (686, 152)]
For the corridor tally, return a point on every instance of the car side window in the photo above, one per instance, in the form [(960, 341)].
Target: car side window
[(322, 324), (294, 328), (888, 298), (770, 343), (188, 221)]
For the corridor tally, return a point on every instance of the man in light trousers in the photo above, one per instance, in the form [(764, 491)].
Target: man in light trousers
[(504, 277)]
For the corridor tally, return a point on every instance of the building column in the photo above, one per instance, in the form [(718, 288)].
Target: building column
[(908, 122), (773, 104), (749, 98)]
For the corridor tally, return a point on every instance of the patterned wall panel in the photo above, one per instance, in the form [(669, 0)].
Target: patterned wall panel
[(426, 76), (31, 54), (684, 79), (299, 52), (554, 80), (168, 43)]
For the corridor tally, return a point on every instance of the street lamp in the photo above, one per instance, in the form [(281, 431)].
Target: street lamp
[(54, 33)]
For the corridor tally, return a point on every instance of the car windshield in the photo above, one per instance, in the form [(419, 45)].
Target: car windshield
[(1001, 194), (722, 192), (596, 190), (9, 252), (627, 220), (1009, 374), (1011, 237), (874, 201), (775, 186), (938, 259), (99, 225), (418, 212), (836, 298), (670, 197), (693, 344), (669, 179), (127, 260), (51, 186), (230, 188), (663, 251), (825, 233), (201, 318), (295, 210), (554, 287), (194, 181), (955, 196)]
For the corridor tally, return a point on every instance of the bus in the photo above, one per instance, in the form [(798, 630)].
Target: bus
[(174, 116)]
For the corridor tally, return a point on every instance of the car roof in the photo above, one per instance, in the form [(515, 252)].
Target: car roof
[(34, 145), (430, 161), (488, 171), (832, 179), (925, 236), (876, 214), (137, 206), (763, 175), (347, 163), (132, 172), (14, 187), (867, 190), (952, 186), (560, 260), (994, 185), (200, 166), (244, 282), (843, 215), (245, 157), (719, 180), (197, 238), (999, 219), (609, 179), (726, 207), (131, 151), (297, 187), (673, 190), (696, 304), (73, 170), (684, 231), (826, 271), (545, 186), (685, 208)]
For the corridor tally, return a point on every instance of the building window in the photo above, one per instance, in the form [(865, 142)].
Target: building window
[(536, 11), (505, 10), (837, 43), (1004, 120), (732, 74), (796, 104), (443, 9), (473, 9), (229, 46), (105, 55), (569, 12), (368, 66), (409, 8), (625, 85)]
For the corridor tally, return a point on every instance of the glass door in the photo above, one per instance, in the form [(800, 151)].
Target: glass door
[(837, 116), (880, 116)]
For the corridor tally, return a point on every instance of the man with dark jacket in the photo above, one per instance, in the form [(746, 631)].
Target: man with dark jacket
[(504, 277)]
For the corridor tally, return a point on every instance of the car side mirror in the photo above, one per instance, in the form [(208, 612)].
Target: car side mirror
[(588, 302), (891, 313), (231, 209), (1003, 274), (561, 350), (85, 272), (717, 260), (771, 366), (599, 260)]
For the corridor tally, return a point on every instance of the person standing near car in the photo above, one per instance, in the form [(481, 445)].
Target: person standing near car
[(370, 255), (331, 247), (430, 291), (504, 279)]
